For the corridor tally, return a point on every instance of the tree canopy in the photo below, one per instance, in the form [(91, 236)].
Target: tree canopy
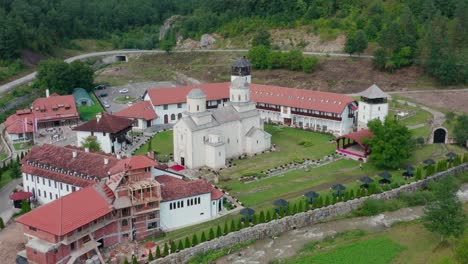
[(61, 77), (445, 215), (391, 144), (460, 130), (91, 143)]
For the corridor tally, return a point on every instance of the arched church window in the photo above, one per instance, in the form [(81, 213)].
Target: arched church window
[(173, 117)]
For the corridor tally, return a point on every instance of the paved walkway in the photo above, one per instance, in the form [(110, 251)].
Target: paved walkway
[(6, 205)]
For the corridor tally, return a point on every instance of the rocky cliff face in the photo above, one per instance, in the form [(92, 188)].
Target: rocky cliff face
[(167, 26)]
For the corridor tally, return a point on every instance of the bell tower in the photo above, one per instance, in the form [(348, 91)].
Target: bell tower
[(241, 69)]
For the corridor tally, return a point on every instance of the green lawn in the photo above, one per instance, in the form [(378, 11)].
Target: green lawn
[(403, 243), (89, 112), (379, 250), (21, 145), (124, 99), (287, 141), (161, 144), (423, 132), (3, 156)]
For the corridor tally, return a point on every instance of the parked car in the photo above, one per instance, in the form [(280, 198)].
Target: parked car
[(106, 104), (124, 90), (103, 95), (129, 103), (100, 87)]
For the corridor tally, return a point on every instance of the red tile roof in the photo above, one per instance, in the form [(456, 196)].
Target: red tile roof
[(55, 107), (358, 136), (300, 98), (173, 188), (21, 122), (107, 123), (52, 108), (56, 176), (292, 97), (174, 95), (68, 213), (141, 110), (88, 163), (17, 196), (134, 163)]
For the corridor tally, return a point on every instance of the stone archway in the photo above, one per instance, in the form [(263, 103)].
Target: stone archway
[(439, 135)]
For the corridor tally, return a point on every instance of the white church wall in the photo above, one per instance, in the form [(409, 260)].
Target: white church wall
[(186, 214)]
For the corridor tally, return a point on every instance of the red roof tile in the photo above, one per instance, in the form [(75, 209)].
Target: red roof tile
[(20, 123), (292, 97), (174, 95), (141, 110), (16, 196), (66, 214), (55, 107), (56, 176), (358, 136), (300, 98), (216, 194), (173, 188), (134, 163), (88, 163), (107, 123)]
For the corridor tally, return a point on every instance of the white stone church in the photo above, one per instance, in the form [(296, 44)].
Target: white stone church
[(208, 137)]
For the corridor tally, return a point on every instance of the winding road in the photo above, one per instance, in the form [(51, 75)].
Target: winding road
[(28, 78)]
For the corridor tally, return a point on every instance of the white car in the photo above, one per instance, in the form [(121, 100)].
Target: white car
[(124, 90), (106, 104), (129, 103)]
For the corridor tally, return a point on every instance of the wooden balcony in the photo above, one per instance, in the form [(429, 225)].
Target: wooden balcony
[(316, 115)]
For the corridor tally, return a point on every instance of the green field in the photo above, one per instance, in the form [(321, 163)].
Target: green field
[(21, 145), (124, 99), (161, 144), (379, 250), (89, 112), (287, 142)]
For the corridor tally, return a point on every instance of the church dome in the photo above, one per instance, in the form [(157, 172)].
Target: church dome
[(196, 94), (239, 84)]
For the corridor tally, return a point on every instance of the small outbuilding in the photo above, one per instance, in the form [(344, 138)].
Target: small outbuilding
[(82, 97), (352, 146)]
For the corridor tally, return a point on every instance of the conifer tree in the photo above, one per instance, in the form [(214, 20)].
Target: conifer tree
[(254, 219), (166, 249), (300, 208), (194, 240), (294, 210), (203, 237), (239, 224), (134, 260), (211, 234), (150, 256), (233, 226), (261, 218), (351, 194), (226, 229), (268, 216), (126, 261), (173, 247), (187, 243), (219, 233), (158, 252), (180, 247), (327, 200)]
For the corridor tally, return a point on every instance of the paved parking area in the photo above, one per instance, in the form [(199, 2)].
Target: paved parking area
[(60, 136), (135, 90)]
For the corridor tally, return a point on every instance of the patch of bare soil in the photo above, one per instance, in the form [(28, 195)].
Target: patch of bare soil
[(292, 38), (115, 71), (30, 58), (455, 101), (344, 75), (12, 240)]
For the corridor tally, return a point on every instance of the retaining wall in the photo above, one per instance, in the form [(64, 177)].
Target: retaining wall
[(299, 220)]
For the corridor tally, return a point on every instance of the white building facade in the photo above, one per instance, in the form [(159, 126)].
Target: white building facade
[(46, 190), (373, 105), (208, 137)]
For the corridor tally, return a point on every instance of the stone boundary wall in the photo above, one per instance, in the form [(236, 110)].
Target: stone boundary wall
[(276, 227)]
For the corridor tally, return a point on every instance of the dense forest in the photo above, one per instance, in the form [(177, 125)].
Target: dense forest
[(429, 33)]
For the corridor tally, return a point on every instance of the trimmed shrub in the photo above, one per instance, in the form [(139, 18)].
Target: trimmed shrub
[(233, 226), (225, 229), (203, 237), (187, 243), (219, 232), (158, 252), (2, 224), (268, 216), (194, 240), (166, 249), (134, 260), (211, 234), (150, 256), (173, 247), (261, 218), (180, 247)]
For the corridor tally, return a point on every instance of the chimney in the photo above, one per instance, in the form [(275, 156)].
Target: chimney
[(106, 161), (98, 117), (47, 93), (86, 149), (74, 154)]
